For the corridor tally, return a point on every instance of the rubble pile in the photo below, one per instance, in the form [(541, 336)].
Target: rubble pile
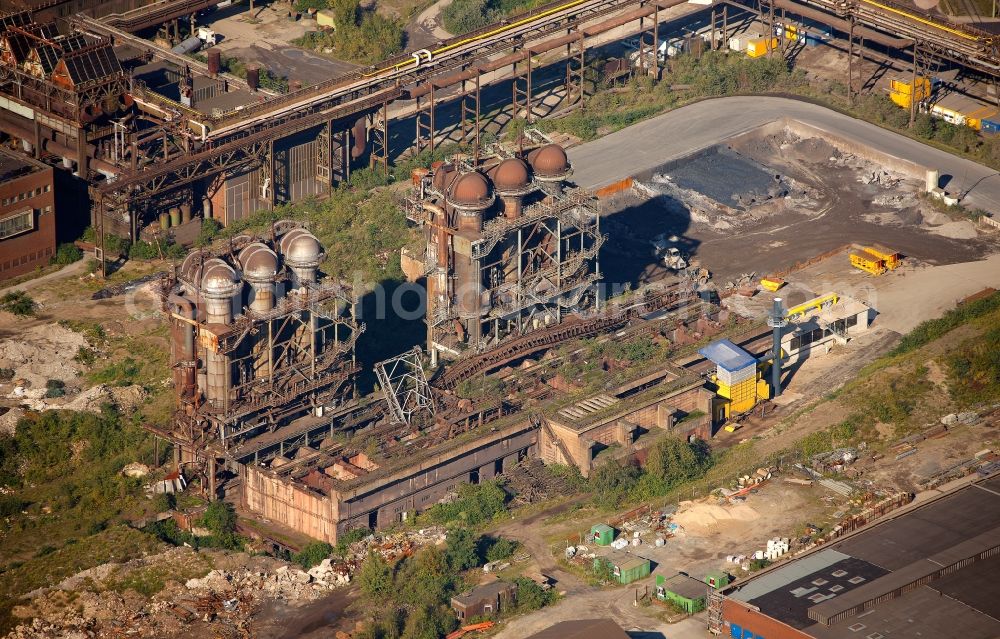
[(102, 601)]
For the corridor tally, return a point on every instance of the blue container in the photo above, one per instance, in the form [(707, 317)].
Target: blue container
[(990, 126)]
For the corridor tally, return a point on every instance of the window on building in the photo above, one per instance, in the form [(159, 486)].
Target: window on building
[(17, 223)]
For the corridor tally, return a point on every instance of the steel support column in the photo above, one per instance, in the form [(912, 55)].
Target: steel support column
[(425, 122), (470, 107), (380, 138), (524, 91)]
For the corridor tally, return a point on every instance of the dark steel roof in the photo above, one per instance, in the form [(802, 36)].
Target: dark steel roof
[(887, 581), (93, 64)]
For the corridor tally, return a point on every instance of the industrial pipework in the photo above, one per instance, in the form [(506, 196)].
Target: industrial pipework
[(777, 321)]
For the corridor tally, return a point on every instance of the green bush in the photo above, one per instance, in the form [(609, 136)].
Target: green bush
[(460, 549), (67, 254), (55, 388), (502, 548), (220, 518), (476, 504), (162, 502), (10, 505), (209, 229), (313, 553), (121, 373), (18, 303), (612, 482), (364, 37), (531, 596), (85, 356)]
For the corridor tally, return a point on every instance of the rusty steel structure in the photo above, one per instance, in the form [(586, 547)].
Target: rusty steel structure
[(168, 132), (508, 248), (259, 341)]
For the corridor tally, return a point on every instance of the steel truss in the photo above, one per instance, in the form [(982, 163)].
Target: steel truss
[(405, 386)]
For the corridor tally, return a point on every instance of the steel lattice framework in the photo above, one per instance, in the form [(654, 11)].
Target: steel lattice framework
[(405, 386)]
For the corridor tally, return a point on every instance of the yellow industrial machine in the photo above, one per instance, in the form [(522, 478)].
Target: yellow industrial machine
[(868, 262), (772, 284), (891, 258), (815, 304)]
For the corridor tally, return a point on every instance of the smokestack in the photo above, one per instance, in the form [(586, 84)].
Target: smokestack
[(777, 321), (253, 78)]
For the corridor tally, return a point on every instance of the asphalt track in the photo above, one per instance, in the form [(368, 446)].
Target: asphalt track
[(677, 133)]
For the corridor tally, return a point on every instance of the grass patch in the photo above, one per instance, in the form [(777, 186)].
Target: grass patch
[(114, 544)]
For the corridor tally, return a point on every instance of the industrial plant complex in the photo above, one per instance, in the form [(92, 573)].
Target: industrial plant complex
[(688, 360)]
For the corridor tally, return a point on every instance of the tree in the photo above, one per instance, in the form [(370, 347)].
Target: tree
[(345, 13), (501, 548), (611, 482), (531, 596), (313, 553), (375, 578), (220, 518), (66, 254), (673, 461), (425, 578), (460, 549), (429, 622)]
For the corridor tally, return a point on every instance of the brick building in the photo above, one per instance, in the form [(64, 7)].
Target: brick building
[(27, 215)]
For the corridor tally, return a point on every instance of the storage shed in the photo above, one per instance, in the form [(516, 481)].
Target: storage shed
[(625, 568), (684, 592), (602, 534), (485, 600)]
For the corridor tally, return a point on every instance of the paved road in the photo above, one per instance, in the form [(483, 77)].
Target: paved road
[(677, 133)]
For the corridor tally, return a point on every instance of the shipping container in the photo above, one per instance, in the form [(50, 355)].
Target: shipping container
[(759, 47), (739, 43), (602, 534), (625, 568), (990, 125), (902, 92)]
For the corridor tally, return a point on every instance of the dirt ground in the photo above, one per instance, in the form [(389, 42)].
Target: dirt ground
[(266, 39), (826, 199)]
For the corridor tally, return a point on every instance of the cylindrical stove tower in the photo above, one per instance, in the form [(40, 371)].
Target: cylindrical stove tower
[(219, 286)]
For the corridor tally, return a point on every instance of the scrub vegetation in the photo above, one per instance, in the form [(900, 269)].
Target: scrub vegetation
[(688, 78), (462, 16), (361, 35), (361, 232), (409, 598)]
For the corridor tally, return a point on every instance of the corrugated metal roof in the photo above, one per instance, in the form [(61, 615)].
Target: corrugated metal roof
[(797, 569), (727, 356)]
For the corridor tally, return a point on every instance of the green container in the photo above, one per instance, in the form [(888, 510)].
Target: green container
[(717, 579), (626, 568), (602, 534), (164, 221), (175, 216)]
